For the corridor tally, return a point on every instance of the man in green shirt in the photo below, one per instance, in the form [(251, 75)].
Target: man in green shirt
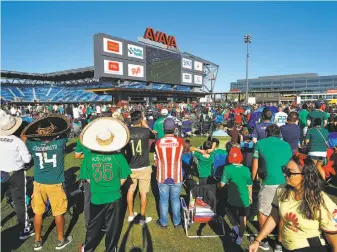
[(273, 153), (159, 124), (317, 113), (239, 191), (303, 117), (107, 171), (47, 141)]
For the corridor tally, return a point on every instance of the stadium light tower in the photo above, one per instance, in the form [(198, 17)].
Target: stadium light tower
[(248, 40)]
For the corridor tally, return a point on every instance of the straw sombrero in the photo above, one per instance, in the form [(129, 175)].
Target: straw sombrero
[(47, 126), (105, 134), (8, 124)]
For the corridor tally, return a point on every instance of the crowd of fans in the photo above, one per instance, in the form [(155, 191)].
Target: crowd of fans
[(287, 152)]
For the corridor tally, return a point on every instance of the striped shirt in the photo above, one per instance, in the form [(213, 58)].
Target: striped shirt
[(169, 151)]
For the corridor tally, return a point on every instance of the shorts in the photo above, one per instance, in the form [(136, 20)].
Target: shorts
[(241, 211), (266, 196), (141, 177), (317, 155), (56, 195)]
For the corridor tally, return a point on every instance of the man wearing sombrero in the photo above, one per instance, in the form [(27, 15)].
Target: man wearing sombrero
[(107, 171), (14, 155), (46, 140)]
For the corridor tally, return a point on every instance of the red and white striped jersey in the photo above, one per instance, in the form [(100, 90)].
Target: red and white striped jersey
[(169, 151)]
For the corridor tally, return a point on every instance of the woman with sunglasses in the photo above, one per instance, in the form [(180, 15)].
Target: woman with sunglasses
[(307, 212)]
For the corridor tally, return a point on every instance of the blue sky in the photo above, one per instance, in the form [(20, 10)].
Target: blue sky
[(287, 37)]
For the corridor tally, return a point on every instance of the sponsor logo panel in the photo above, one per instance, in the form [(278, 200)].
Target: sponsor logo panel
[(198, 66), (135, 51), (198, 79), (187, 63), (187, 78), (113, 67), (135, 70), (112, 46)]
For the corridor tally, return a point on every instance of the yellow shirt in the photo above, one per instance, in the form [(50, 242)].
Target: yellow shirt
[(297, 229)]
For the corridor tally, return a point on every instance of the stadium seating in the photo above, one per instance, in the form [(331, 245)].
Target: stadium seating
[(59, 93), (51, 94)]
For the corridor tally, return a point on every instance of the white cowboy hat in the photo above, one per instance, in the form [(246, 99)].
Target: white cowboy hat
[(8, 123), (105, 134)]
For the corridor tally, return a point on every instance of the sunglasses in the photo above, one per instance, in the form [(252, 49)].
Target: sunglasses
[(288, 173)]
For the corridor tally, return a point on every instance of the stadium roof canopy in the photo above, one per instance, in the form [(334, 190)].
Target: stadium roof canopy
[(67, 75)]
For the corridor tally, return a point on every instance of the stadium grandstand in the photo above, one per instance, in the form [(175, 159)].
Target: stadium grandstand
[(64, 86)]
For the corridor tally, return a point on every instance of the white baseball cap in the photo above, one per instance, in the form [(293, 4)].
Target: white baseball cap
[(164, 112)]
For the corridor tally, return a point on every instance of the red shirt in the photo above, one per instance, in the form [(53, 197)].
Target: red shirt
[(169, 151), (238, 115)]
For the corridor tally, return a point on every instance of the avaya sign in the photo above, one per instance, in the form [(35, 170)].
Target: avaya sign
[(160, 37)]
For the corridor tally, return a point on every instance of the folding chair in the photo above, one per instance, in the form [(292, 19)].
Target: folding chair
[(200, 212)]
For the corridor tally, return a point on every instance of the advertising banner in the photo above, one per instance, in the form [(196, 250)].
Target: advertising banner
[(198, 79), (186, 63), (198, 66), (135, 71), (135, 51), (113, 67), (112, 46), (187, 78)]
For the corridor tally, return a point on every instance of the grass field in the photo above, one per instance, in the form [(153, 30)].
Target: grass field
[(133, 237)]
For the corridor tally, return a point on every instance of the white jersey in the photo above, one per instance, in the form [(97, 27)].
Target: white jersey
[(280, 118), (76, 113)]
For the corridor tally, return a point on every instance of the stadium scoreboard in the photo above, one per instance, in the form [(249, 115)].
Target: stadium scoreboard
[(158, 61)]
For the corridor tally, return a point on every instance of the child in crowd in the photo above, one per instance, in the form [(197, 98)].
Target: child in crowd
[(187, 159), (239, 192), (205, 159), (247, 147), (234, 132), (220, 158)]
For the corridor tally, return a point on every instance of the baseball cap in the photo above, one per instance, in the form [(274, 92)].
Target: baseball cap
[(169, 124), (235, 156), (164, 112), (318, 104)]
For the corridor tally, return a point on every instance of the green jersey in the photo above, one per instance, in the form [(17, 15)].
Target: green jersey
[(303, 116), (317, 114), (159, 127), (239, 178), (220, 152), (205, 164), (105, 172), (318, 138), (48, 160), (274, 153), (80, 149)]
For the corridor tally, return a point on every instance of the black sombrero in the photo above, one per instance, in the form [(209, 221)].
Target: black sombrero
[(47, 126)]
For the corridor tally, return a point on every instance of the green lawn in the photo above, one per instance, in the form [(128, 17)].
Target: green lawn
[(133, 238)]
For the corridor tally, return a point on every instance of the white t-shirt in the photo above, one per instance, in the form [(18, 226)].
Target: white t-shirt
[(98, 109), (280, 118), (14, 153), (76, 113)]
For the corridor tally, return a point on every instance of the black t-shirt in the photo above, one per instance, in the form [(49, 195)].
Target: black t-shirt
[(138, 149)]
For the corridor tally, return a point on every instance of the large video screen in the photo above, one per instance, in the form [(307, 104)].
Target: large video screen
[(163, 66)]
